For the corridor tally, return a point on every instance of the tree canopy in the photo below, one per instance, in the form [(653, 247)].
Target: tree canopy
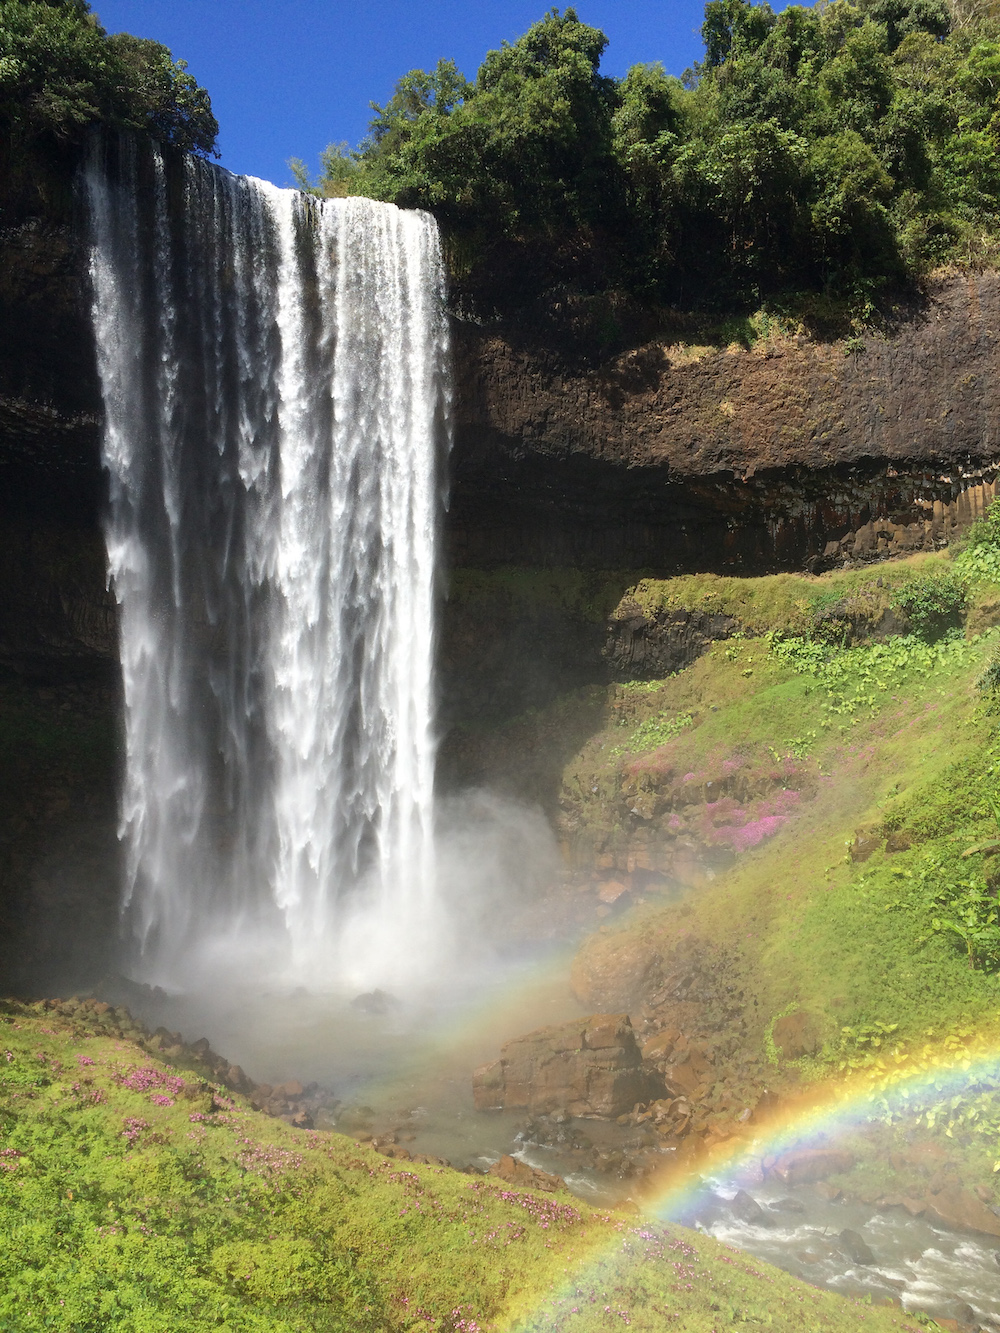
[(60, 72), (832, 151)]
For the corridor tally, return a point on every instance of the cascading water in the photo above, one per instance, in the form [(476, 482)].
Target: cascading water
[(275, 379)]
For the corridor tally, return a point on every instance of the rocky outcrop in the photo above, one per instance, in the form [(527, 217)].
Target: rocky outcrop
[(518, 1173), (590, 1067), (668, 457), (655, 646), (805, 1165)]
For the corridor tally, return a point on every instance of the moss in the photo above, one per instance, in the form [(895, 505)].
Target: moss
[(791, 602), (883, 736), (585, 594)]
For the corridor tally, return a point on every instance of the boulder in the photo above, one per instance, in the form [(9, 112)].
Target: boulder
[(589, 1067), (528, 1177), (684, 1069), (855, 1247), (958, 1208), (659, 1048), (745, 1208), (686, 1074), (803, 1165)]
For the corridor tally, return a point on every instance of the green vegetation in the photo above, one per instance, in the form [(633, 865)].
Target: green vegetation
[(815, 160), (60, 74), (652, 733), (852, 602), (874, 758), (979, 560), (587, 595), (135, 1197)]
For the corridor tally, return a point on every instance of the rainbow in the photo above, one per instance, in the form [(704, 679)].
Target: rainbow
[(932, 1086), (894, 1088)]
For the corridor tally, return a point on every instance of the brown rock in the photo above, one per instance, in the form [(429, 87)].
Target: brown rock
[(591, 1067), (659, 1048), (953, 1206), (396, 1151), (687, 1073), (237, 1079), (611, 890), (605, 1031), (293, 1088), (811, 1164), (520, 1173), (488, 1087), (794, 418)]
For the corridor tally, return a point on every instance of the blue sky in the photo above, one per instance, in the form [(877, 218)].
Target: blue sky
[(288, 77)]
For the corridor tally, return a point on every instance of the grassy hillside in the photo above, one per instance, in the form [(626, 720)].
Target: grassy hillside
[(135, 1196)]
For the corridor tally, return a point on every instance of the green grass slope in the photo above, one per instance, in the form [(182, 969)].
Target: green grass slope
[(851, 790), (135, 1198)]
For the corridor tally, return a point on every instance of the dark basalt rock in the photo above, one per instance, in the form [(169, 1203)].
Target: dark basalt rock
[(855, 1247), (745, 1208), (651, 647), (750, 461)]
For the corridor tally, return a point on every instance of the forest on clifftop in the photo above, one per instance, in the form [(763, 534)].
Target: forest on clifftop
[(815, 164), (813, 161)]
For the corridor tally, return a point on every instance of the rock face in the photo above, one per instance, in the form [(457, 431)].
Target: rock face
[(655, 646), (674, 458), (590, 1067), (958, 1208)]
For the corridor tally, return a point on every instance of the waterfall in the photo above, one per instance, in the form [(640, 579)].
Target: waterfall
[(275, 379)]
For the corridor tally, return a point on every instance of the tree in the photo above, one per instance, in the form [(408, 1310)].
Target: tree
[(900, 17), (160, 97), (732, 27), (60, 72)]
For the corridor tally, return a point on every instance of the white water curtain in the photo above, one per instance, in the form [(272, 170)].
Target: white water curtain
[(275, 379)]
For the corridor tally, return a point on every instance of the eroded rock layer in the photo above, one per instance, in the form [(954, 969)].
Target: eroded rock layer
[(679, 458)]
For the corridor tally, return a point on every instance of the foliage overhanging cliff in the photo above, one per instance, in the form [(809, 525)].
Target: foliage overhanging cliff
[(814, 161), (60, 75)]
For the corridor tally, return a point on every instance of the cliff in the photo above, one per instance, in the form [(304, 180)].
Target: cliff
[(681, 458), (665, 458)]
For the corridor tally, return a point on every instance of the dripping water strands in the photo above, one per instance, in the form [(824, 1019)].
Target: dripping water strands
[(275, 379)]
